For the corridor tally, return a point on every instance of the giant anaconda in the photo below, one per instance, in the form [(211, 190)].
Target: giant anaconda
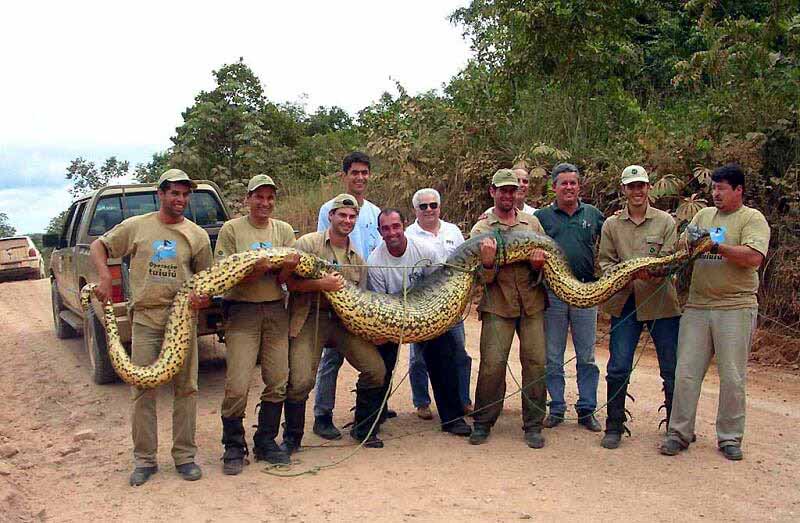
[(428, 309)]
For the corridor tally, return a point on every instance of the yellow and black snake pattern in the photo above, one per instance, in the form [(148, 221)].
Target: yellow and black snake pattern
[(426, 311)]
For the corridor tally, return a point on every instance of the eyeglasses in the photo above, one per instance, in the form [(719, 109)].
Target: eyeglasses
[(424, 206)]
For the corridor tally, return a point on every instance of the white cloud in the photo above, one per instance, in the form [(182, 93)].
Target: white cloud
[(30, 209)]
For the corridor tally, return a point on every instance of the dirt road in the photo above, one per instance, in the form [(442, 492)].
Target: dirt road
[(65, 452)]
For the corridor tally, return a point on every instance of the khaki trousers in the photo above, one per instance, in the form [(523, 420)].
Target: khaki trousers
[(497, 334), (704, 333), (254, 329), (145, 347), (305, 351)]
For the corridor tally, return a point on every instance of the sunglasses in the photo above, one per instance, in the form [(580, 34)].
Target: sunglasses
[(424, 206)]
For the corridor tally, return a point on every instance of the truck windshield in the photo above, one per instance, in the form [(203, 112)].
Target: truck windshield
[(203, 209)]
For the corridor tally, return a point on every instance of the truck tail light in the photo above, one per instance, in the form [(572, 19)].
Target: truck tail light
[(31, 253), (117, 294)]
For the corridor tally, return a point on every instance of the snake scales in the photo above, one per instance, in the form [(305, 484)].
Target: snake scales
[(429, 308)]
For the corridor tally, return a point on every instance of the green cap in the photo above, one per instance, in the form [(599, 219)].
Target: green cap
[(344, 200), (634, 173), (176, 175), (505, 177), (259, 180)]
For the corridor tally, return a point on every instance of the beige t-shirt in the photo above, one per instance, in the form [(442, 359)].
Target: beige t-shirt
[(163, 256), (622, 240), (240, 235), (716, 282)]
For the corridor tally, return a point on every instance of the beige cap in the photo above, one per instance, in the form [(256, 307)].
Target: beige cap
[(176, 175), (505, 177), (344, 200), (259, 180), (634, 173)]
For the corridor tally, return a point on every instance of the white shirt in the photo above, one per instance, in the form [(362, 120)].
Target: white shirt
[(390, 280), (525, 208), (448, 239), (365, 236)]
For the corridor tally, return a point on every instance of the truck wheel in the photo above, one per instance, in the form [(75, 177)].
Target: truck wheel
[(63, 329), (94, 337)]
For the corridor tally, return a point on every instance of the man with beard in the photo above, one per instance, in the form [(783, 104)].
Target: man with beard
[(395, 266), (313, 324), (720, 315), (639, 230), (364, 238), (166, 250), (512, 302)]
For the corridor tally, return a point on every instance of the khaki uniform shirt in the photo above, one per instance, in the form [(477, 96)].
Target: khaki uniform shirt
[(511, 294), (163, 256), (716, 282), (319, 243), (240, 235), (621, 240)]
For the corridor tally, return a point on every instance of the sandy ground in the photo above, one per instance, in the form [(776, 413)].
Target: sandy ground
[(48, 473)]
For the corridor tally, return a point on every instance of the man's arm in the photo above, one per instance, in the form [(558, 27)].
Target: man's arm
[(741, 255), (99, 256), (608, 255), (329, 283)]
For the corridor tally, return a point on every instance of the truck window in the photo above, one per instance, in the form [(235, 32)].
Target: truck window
[(204, 209), (64, 234), (76, 223)]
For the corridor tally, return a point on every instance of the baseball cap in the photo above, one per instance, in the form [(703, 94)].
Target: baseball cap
[(634, 173), (259, 180), (505, 177), (344, 200), (175, 175)]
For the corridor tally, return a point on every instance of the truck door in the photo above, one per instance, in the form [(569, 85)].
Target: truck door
[(71, 290)]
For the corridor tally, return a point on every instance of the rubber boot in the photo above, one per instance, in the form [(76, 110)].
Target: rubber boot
[(295, 419), (235, 446), (369, 403), (615, 422), (264, 446)]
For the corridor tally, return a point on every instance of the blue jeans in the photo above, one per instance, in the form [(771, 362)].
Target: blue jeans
[(558, 317), (625, 333), (327, 373), (418, 372)]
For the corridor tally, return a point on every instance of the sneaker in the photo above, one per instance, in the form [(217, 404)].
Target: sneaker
[(324, 427), (611, 440), (480, 433), (189, 471), (591, 423), (424, 412), (534, 439), (553, 420), (458, 428), (732, 452), (671, 447), (140, 475)]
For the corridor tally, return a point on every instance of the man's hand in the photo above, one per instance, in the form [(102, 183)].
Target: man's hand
[(488, 251), (643, 274), (103, 289), (331, 282), (199, 301), (537, 259), (290, 261)]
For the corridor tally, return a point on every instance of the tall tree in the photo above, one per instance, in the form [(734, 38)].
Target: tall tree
[(86, 177), (5, 227)]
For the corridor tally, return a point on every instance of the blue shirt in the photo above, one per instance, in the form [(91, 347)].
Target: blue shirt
[(365, 236)]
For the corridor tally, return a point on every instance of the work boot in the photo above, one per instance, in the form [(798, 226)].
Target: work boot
[(480, 433), (233, 439), (457, 427), (324, 427), (189, 471), (294, 414), (264, 446), (552, 420), (615, 421), (369, 403), (671, 447), (140, 475), (534, 439)]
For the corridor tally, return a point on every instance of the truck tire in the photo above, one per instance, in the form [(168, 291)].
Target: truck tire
[(94, 338), (63, 329)]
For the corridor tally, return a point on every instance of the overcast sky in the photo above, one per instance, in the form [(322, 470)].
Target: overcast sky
[(95, 79)]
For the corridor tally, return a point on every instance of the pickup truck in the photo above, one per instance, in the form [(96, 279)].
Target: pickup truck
[(71, 267)]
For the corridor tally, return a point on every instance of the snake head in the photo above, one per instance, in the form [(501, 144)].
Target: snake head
[(699, 240)]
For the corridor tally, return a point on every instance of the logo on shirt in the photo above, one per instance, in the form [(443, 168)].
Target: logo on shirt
[(717, 234), (260, 245), (164, 250)]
